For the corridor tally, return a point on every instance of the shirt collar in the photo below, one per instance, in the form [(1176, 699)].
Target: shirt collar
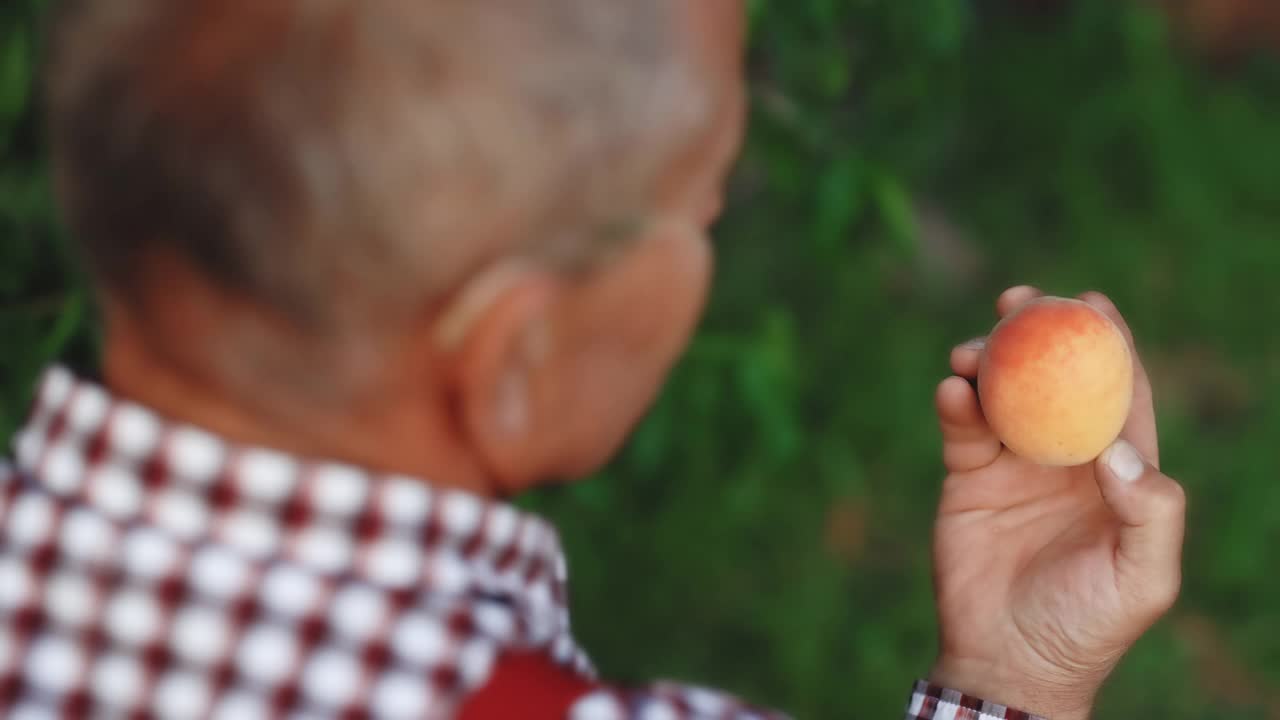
[(88, 447)]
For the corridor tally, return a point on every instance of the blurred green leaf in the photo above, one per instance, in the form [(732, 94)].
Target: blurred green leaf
[(840, 200), (897, 213)]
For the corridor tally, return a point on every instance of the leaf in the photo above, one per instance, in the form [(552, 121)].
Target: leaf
[(840, 199), (897, 213)]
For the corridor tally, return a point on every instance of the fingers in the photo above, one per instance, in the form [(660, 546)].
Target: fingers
[(1151, 508), (968, 443), (1016, 297), (1140, 428), (965, 357)]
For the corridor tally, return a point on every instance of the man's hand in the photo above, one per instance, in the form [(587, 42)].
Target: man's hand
[(1045, 576)]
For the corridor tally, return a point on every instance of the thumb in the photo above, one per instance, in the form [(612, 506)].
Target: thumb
[(1151, 508)]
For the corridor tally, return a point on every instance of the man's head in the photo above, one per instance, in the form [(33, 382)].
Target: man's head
[(484, 215)]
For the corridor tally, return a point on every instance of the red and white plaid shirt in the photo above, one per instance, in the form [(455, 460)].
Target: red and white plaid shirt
[(151, 569)]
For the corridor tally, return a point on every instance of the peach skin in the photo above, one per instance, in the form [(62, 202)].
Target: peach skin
[(1056, 381)]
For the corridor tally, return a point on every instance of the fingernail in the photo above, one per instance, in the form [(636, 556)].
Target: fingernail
[(1125, 462), (977, 343)]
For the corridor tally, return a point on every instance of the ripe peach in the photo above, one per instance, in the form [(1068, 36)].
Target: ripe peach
[(1056, 381)]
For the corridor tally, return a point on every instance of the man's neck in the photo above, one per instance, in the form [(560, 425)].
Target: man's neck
[(394, 436)]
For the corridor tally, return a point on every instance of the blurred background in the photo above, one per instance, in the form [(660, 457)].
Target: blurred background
[(768, 528)]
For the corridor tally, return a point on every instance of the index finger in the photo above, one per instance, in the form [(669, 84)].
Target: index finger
[(1015, 297)]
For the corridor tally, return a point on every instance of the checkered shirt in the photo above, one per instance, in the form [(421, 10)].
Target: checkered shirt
[(153, 570), (931, 702)]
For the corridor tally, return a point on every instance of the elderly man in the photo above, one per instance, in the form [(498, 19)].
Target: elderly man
[(369, 268)]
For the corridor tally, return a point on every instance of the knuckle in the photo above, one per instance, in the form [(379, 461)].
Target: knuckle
[(1163, 594), (1156, 594), (1170, 498), (963, 456)]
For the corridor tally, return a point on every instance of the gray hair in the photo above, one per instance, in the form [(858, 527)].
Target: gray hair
[(343, 160)]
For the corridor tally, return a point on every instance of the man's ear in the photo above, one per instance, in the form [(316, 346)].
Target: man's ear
[(495, 336)]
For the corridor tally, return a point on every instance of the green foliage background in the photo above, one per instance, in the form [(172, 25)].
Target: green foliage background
[(767, 530)]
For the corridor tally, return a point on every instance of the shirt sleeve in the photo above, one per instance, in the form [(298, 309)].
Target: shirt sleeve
[(932, 702)]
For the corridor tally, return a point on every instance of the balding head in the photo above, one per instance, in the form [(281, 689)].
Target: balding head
[(463, 239), (298, 151)]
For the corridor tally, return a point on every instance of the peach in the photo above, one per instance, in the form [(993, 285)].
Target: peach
[(1056, 381)]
